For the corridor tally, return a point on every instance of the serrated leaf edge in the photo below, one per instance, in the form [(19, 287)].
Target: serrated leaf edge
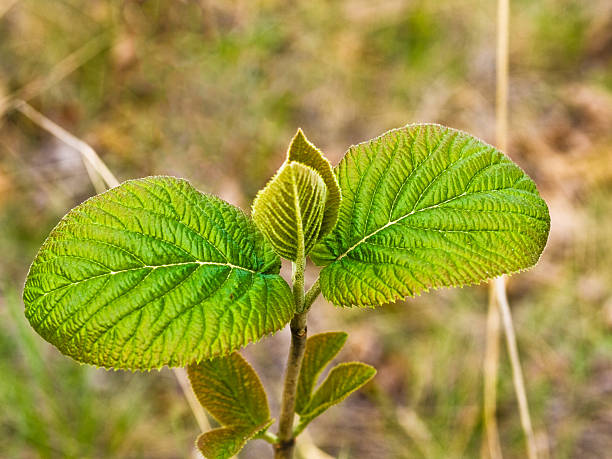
[(298, 210), (394, 299), (426, 290), (333, 188), (62, 222), (411, 125), (257, 378)]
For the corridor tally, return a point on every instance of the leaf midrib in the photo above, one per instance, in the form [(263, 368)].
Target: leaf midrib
[(393, 222), (298, 217), (152, 267)]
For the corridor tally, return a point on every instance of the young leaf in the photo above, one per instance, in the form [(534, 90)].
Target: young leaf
[(232, 393), (304, 152), (320, 350), (299, 206), (155, 273), (425, 207), (342, 381), (225, 442), (230, 390), (289, 210)]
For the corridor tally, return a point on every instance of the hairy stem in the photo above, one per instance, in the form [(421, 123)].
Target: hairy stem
[(286, 441), (298, 284), (311, 295)]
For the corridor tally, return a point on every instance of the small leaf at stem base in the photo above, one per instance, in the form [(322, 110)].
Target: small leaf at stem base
[(320, 350), (343, 380), (230, 390)]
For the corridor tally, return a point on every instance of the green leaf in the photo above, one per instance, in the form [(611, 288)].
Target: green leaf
[(155, 273), (289, 210), (300, 204), (304, 152), (320, 350), (425, 207), (230, 390), (225, 442), (342, 381)]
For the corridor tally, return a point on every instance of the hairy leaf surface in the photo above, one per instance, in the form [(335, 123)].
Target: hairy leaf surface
[(289, 210), (155, 273), (225, 442), (230, 390), (342, 381), (304, 152), (320, 350), (425, 207)]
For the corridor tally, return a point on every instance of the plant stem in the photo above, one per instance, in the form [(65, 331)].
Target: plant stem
[(298, 284), (286, 440)]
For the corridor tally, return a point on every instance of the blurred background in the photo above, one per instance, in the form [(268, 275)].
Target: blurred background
[(213, 91)]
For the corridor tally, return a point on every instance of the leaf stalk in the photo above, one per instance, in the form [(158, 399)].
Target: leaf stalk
[(311, 295)]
